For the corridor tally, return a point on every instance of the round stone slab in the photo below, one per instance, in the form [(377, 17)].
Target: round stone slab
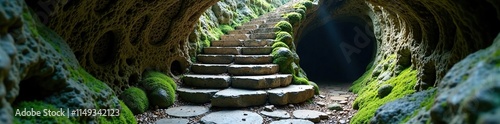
[(232, 117), (314, 116), (276, 114), (186, 111), (292, 121), (172, 121)]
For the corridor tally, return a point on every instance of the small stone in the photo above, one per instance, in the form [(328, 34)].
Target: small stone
[(321, 104), (335, 106), (276, 114), (186, 111), (329, 113), (338, 98), (322, 96), (314, 116), (269, 108), (342, 121), (232, 117), (291, 105), (343, 102), (172, 121)]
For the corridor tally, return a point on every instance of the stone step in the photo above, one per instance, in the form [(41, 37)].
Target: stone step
[(290, 94), (246, 42), (199, 96), (263, 36), (232, 97), (215, 59), (256, 50), (222, 50), (261, 82), (266, 69), (256, 22), (250, 26), (209, 68), (234, 36), (266, 30), (241, 31), (206, 81), (253, 59)]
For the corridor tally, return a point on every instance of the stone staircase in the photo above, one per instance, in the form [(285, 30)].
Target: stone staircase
[(237, 71)]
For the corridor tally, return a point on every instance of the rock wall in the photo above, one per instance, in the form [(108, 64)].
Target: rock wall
[(39, 70), (417, 42), (117, 41)]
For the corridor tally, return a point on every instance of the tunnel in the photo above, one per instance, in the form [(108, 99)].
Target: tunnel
[(339, 51)]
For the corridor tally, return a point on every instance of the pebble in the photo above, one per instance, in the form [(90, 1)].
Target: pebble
[(291, 105), (343, 102), (269, 108), (321, 96), (321, 104), (342, 121)]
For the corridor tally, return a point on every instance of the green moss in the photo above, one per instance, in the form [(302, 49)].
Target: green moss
[(135, 99), (151, 84), (367, 102), (316, 88), (299, 81), (284, 26), (226, 28), (126, 117), (284, 37), (301, 12), (300, 6), (307, 4), (362, 81), (38, 106), (293, 17), (283, 57), (161, 76), (279, 44), (427, 104)]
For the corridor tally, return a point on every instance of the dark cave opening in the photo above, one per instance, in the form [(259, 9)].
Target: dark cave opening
[(338, 51)]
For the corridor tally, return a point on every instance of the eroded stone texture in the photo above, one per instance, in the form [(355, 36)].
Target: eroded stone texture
[(430, 35), (37, 64), (117, 41)]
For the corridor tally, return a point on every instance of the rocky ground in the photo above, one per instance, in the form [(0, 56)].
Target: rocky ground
[(329, 95)]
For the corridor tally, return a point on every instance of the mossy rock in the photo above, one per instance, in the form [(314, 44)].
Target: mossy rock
[(384, 90), (300, 6), (294, 17), (226, 28), (152, 84), (279, 44), (302, 12), (284, 26), (135, 99), (307, 4), (316, 88), (38, 106), (162, 76), (283, 57), (284, 37), (161, 98)]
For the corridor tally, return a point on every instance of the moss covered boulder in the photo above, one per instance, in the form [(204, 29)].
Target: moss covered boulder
[(135, 99), (160, 89), (284, 26)]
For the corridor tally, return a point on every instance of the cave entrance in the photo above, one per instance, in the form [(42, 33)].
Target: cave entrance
[(337, 52)]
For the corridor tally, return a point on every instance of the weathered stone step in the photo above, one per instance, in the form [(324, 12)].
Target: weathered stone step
[(261, 82), (246, 42), (206, 81), (290, 94), (222, 50), (215, 59), (196, 95), (266, 30), (266, 69), (256, 50), (232, 97), (248, 26), (263, 36), (234, 36), (241, 31), (209, 68), (253, 59)]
